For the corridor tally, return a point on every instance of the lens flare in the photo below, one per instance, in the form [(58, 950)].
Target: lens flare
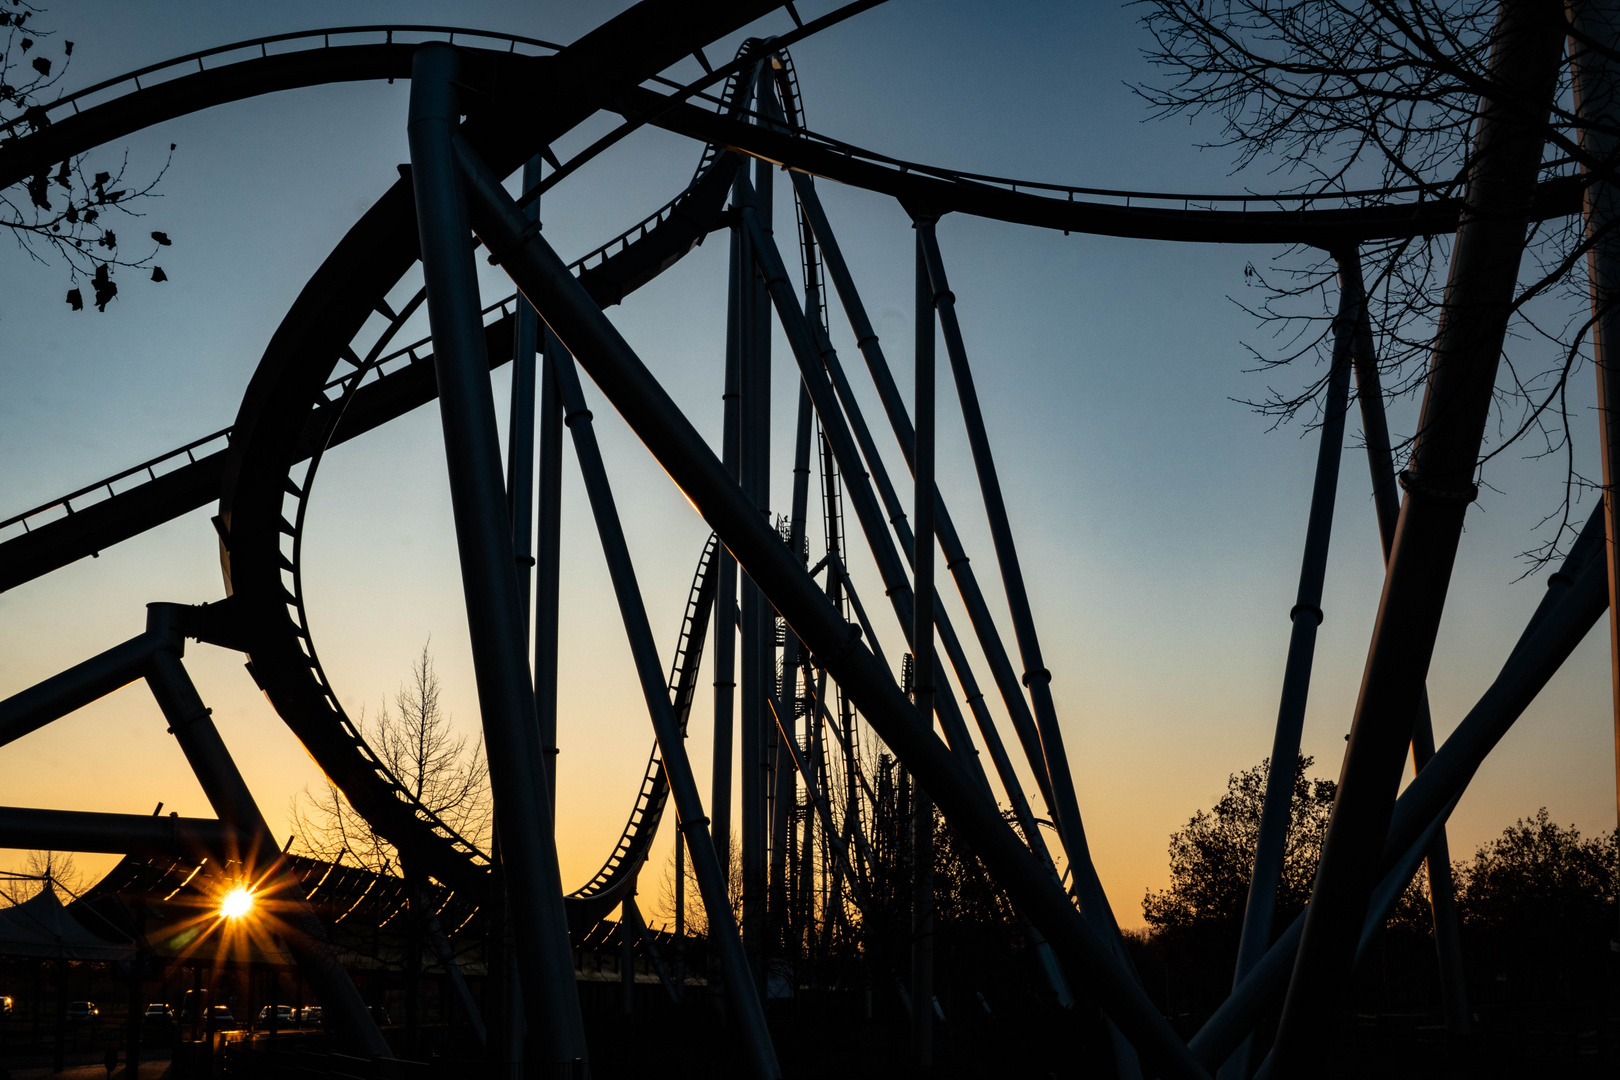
[(237, 902)]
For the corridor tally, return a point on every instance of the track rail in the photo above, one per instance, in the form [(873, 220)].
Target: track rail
[(302, 40), (281, 425), (593, 901), (333, 307), (288, 395), (1050, 206)]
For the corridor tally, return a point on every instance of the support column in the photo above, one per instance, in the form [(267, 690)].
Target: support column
[(746, 1009), (193, 728), (1276, 812), (922, 648), (758, 622), (1506, 158), (680, 916), (1381, 464), (484, 538), (1596, 77), (725, 597)]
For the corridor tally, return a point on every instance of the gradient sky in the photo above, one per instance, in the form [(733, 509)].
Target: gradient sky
[(1160, 520)]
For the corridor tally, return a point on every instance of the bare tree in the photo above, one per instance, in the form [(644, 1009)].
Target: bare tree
[(1376, 102), (440, 767), (68, 212), (42, 869)]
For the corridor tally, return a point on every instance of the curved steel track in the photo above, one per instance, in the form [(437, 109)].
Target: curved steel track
[(294, 407)]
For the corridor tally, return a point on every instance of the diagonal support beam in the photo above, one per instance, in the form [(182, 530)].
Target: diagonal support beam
[(1506, 153), (495, 615), (543, 277), (694, 824), (1381, 464), (1576, 597), (1276, 811)]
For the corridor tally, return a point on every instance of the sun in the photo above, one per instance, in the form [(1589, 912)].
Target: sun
[(237, 903)]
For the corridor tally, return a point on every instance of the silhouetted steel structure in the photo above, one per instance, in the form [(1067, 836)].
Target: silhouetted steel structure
[(795, 658)]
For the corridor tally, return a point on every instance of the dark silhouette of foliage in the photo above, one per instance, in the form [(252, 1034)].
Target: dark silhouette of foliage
[(1538, 906), (441, 768), (1212, 856), (66, 212)]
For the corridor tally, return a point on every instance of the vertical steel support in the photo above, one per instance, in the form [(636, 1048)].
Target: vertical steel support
[(956, 559), (1576, 596), (692, 465), (786, 798), (192, 726), (922, 648), (1036, 677), (753, 627), (548, 569), (680, 914), (1596, 76), (725, 597), (484, 538), (1306, 615), (740, 990), (1381, 464), (520, 484), (520, 425), (627, 961), (1506, 156)]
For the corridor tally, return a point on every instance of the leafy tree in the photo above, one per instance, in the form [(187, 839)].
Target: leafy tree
[(418, 742), (1212, 856), (66, 212), (1538, 905)]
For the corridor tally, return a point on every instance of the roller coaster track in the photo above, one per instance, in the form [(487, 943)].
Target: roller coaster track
[(294, 408), (375, 390), (592, 901), (608, 273)]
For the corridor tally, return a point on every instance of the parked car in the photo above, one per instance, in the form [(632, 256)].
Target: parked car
[(158, 1012), (222, 1019), (82, 1012), (284, 1018), (310, 1016)]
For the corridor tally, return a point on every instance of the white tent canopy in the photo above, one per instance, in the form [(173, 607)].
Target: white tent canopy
[(41, 926)]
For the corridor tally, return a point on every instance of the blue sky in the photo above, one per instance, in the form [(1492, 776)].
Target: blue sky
[(1160, 520)]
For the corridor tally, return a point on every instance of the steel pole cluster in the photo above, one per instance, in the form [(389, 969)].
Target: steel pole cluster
[(801, 682)]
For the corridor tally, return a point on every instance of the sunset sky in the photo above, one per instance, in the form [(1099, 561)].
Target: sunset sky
[(1160, 520)]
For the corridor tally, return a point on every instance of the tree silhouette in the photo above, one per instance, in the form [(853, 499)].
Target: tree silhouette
[(42, 869), (66, 212), (1538, 905), (1212, 856), (418, 742), (1331, 96)]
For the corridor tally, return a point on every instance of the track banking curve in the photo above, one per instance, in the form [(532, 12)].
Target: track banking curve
[(274, 425), (270, 429), (288, 398)]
